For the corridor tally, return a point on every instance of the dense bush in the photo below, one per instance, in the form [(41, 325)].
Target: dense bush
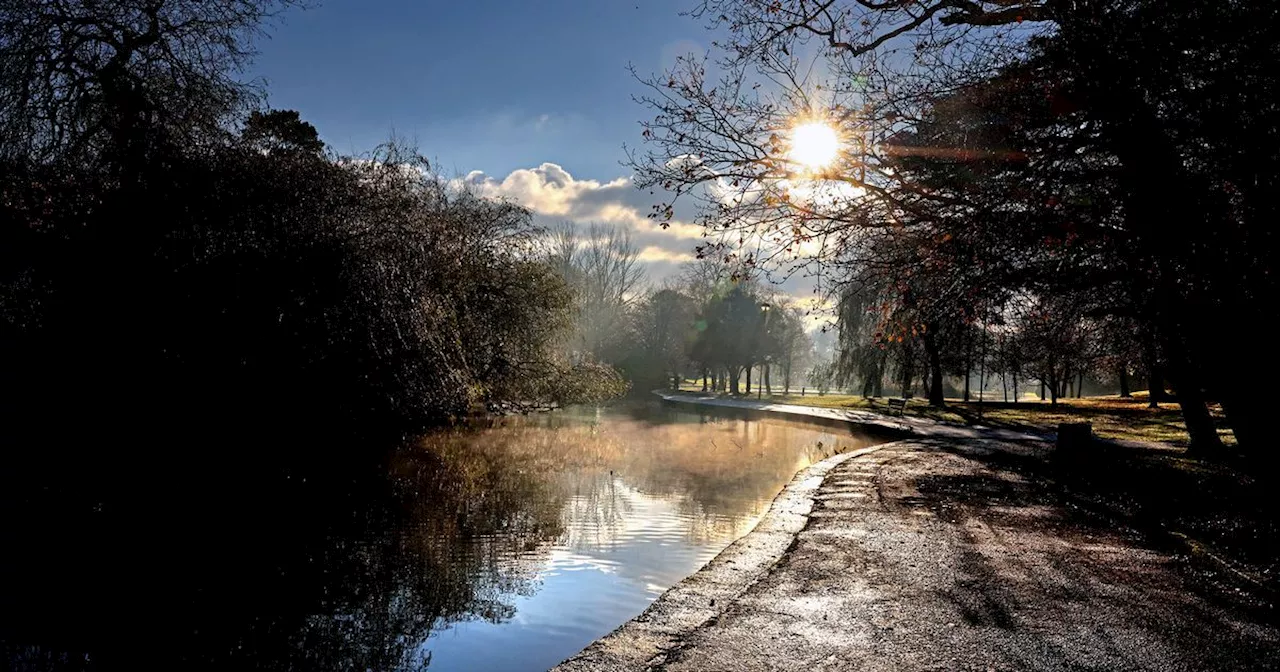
[(239, 283)]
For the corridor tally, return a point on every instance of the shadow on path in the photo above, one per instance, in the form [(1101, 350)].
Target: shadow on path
[(944, 555)]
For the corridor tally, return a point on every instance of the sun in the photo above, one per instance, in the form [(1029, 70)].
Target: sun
[(814, 145)]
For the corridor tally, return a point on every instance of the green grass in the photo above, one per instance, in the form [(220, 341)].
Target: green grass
[(1113, 417), (1210, 505)]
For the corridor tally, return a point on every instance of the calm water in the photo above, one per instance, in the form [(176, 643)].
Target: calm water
[(599, 513), (505, 546)]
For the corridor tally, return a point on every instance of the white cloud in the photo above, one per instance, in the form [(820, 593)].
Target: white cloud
[(554, 195), (551, 191), (655, 253)]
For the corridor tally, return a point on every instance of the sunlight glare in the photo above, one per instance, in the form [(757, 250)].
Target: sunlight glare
[(814, 145)]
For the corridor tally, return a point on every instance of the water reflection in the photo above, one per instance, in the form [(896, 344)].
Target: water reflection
[(504, 546), (610, 508)]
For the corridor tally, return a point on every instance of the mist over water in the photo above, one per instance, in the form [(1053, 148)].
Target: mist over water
[(506, 544), (606, 510)]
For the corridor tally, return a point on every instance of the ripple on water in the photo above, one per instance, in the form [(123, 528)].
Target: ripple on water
[(507, 545), (641, 501)]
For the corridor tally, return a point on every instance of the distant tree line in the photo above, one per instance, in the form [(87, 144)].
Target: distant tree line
[(706, 323), (1040, 189)]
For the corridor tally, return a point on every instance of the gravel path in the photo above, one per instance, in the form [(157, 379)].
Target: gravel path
[(952, 551), (925, 556)]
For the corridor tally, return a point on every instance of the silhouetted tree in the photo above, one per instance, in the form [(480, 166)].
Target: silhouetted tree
[(664, 326), (603, 269), (84, 81), (281, 131), (1039, 141), (733, 332)]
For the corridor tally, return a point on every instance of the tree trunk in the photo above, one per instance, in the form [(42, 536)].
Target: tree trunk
[(1195, 411), (1042, 389), (1017, 394), (1155, 387), (1152, 167), (968, 373), (982, 368), (786, 378), (1124, 381), (982, 377), (1080, 386), (1155, 376), (906, 377), (1248, 414), (749, 367), (935, 368), (735, 373), (768, 384)]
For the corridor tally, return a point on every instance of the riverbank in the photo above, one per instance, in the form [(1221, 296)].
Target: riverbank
[(1121, 419), (697, 600), (956, 548), (899, 426)]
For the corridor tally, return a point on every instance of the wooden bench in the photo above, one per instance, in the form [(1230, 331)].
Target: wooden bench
[(898, 405)]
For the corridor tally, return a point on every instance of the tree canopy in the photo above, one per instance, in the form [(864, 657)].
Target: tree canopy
[(1114, 156)]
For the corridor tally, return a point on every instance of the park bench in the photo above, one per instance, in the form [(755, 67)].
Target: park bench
[(898, 405)]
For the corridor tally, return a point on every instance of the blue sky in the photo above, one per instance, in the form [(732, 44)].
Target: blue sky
[(528, 100), (483, 85)]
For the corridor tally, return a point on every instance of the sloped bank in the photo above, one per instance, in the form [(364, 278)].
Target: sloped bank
[(646, 640), (953, 549), (868, 422), (697, 600)]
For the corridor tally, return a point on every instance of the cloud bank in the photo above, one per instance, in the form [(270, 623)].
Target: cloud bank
[(555, 196)]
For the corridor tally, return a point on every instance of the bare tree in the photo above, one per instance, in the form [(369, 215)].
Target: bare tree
[(1126, 119), (82, 77), (603, 267)]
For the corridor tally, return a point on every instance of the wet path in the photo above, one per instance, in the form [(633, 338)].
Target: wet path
[(950, 553), (925, 556)]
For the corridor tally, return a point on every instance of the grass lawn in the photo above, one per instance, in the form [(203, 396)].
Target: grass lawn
[(1112, 417), (1214, 507)]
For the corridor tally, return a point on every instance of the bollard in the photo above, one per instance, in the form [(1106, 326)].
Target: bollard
[(1074, 438)]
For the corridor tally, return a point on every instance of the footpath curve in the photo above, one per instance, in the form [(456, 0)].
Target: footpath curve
[(904, 426), (947, 550)]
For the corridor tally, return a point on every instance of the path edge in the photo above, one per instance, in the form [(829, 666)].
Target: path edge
[(700, 598)]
